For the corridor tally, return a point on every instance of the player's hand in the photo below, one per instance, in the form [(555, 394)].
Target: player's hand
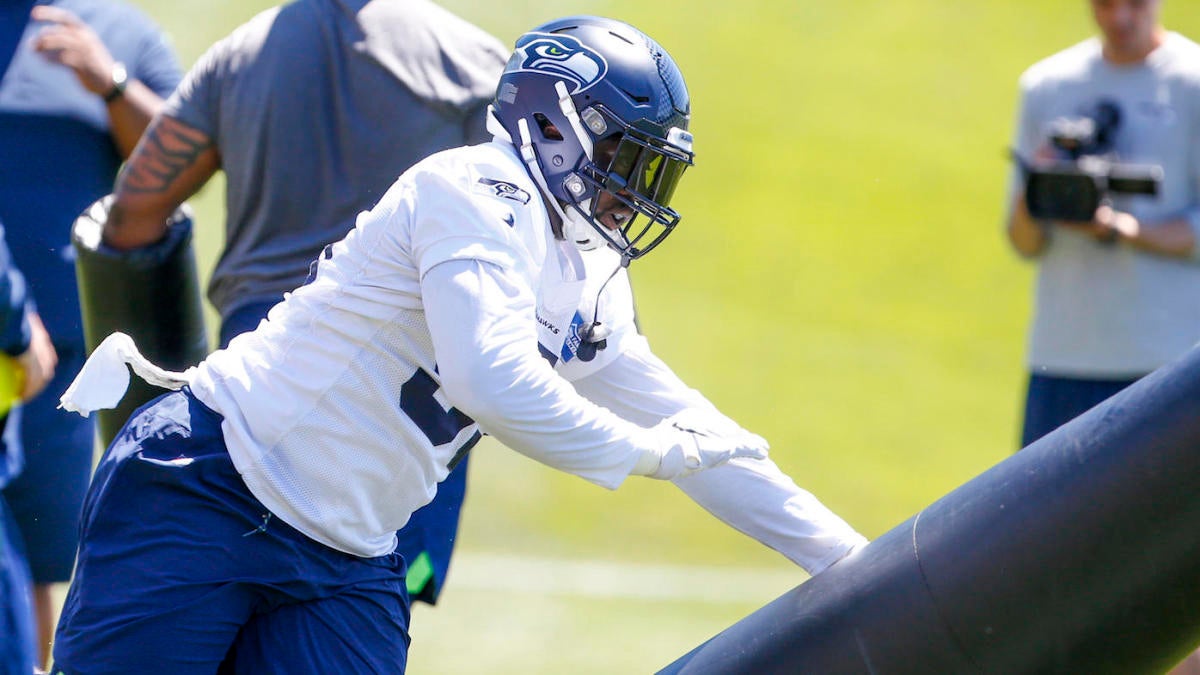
[(39, 361), (694, 440), (72, 43)]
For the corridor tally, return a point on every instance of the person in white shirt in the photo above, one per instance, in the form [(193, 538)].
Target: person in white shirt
[(248, 521)]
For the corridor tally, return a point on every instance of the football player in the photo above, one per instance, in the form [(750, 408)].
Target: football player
[(247, 521)]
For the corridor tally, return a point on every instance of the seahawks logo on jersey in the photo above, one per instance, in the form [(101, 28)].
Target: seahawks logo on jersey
[(573, 343), (561, 56), (503, 190)]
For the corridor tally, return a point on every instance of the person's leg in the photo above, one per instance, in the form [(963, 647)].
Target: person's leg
[(17, 648), (1053, 401), (427, 540), (45, 497), (347, 627), (177, 558), (361, 628), (45, 614), (170, 554)]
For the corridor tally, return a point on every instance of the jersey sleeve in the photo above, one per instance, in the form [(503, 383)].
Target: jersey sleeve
[(753, 496), (1027, 132), (156, 66), (480, 318), (196, 101), (449, 222)]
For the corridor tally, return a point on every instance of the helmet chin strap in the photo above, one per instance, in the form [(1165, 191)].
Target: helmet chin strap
[(529, 156), (575, 225), (579, 231), (575, 228), (567, 106)]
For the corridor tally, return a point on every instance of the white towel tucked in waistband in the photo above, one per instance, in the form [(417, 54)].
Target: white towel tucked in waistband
[(103, 380)]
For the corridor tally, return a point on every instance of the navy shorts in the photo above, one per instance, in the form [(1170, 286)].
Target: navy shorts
[(46, 496), (427, 541), (182, 570), (1053, 401)]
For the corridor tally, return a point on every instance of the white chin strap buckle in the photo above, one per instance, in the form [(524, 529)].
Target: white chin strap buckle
[(578, 231)]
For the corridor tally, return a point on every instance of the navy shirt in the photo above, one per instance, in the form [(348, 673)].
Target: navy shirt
[(56, 153)]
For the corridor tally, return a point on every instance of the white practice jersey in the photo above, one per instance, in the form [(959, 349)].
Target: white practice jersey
[(333, 409), (448, 311)]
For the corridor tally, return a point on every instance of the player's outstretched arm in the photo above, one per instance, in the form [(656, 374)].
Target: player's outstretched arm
[(751, 495), (692, 444), (482, 322)]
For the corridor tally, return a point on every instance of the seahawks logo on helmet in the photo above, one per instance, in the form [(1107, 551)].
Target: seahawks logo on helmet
[(561, 56)]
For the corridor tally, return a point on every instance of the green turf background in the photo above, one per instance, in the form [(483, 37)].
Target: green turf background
[(840, 284)]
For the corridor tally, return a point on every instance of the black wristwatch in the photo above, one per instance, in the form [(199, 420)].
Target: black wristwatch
[(119, 78)]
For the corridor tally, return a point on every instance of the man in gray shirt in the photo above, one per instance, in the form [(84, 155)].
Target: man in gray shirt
[(1117, 296), (312, 110)]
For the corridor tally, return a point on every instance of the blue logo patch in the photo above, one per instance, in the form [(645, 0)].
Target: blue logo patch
[(561, 56), (504, 190), (571, 344)]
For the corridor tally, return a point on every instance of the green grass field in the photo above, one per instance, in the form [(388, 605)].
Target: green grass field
[(840, 285)]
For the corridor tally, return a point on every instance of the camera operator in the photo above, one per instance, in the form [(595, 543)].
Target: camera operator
[(1118, 294)]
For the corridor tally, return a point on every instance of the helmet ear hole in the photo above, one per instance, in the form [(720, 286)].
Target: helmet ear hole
[(547, 128)]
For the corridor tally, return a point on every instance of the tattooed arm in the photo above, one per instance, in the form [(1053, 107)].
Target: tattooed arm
[(171, 162)]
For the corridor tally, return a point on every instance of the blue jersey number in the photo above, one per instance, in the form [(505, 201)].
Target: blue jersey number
[(440, 425)]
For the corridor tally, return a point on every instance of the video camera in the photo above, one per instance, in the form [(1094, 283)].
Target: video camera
[(1071, 189)]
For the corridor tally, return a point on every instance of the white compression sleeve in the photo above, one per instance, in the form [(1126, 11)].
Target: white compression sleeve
[(481, 318), (752, 496)]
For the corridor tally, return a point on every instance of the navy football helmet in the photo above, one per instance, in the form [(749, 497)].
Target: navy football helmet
[(599, 113)]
